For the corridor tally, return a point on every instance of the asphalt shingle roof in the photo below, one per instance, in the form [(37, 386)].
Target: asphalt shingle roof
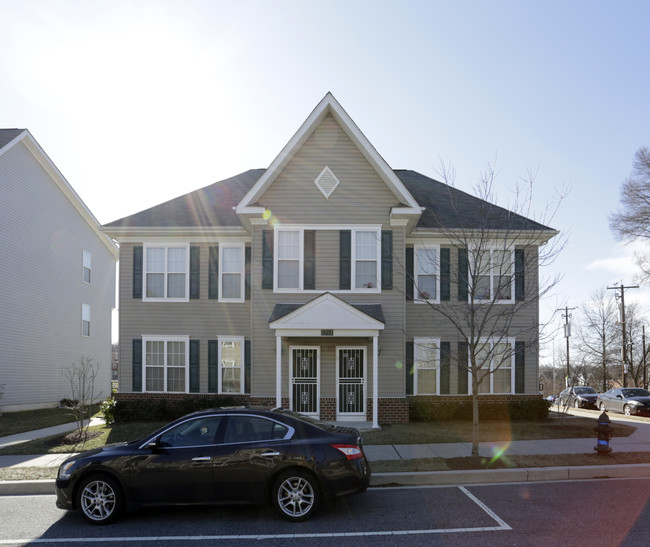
[(372, 310)]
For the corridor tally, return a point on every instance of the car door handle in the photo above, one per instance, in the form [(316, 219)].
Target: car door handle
[(201, 459), (269, 454)]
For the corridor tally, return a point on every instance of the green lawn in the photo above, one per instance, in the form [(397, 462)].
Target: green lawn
[(28, 420)]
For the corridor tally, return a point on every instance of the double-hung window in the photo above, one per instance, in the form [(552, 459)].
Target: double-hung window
[(166, 363), (366, 249), (166, 274), (427, 364), (85, 319), (231, 364), (231, 277), (289, 270), (87, 265), (427, 280), (493, 274), (497, 358)]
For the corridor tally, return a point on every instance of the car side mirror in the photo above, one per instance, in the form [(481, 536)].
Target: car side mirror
[(619, 396)]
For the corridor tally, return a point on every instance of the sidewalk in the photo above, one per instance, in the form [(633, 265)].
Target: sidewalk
[(639, 441)]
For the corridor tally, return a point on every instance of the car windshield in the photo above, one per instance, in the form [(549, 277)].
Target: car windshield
[(635, 393), (585, 390)]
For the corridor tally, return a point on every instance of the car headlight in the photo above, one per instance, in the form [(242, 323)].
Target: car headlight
[(65, 469)]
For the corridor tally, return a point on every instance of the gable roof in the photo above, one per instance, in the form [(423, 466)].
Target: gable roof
[(329, 106), (10, 137)]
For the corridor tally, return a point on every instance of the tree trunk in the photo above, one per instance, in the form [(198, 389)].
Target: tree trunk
[(475, 433)]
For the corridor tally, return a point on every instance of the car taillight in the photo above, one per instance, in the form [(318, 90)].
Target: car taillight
[(351, 451)]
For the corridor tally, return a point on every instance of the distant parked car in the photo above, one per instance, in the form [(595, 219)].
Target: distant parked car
[(578, 397), (628, 400), (219, 456), (551, 398)]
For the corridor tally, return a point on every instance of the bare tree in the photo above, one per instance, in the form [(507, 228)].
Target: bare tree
[(494, 259), (632, 221), (81, 379), (598, 334)]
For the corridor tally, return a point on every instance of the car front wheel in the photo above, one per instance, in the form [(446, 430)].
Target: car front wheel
[(576, 404), (602, 407), (100, 499), (296, 495), (627, 410)]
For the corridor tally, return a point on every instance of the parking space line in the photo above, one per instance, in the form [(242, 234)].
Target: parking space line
[(502, 524)]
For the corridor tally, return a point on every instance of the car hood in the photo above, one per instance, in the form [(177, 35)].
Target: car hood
[(642, 400), (104, 449), (587, 395)]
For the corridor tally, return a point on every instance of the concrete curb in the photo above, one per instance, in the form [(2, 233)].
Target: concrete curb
[(425, 478)]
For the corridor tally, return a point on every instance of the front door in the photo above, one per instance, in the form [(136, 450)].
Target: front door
[(304, 393), (351, 389)]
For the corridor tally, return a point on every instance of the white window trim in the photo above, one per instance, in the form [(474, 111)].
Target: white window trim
[(86, 255), (425, 342), (511, 342), (301, 260), (227, 340), (242, 272), (84, 308), (354, 259), (165, 338), (416, 271), (472, 270), (166, 246)]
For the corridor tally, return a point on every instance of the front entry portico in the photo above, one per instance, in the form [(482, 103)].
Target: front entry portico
[(333, 328)]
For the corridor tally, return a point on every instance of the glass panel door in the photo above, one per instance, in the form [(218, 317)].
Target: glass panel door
[(304, 381)]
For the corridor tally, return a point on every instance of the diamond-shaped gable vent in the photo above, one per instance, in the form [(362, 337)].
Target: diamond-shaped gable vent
[(326, 182)]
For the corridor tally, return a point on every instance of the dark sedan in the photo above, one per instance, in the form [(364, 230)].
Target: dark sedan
[(628, 400), (578, 397), (223, 456)]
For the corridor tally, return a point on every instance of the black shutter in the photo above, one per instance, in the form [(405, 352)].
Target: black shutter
[(309, 275), (410, 267), (137, 271), (195, 260), (386, 260), (408, 369), (445, 274), (463, 270), (520, 367), (267, 259), (213, 273), (520, 267), (247, 366), (463, 363), (194, 366), (137, 364), (345, 259), (445, 365), (247, 273), (213, 368)]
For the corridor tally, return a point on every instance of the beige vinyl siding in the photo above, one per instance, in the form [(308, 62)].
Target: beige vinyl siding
[(361, 196), (42, 239), (201, 319)]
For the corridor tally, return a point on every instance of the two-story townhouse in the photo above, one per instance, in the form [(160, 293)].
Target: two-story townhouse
[(57, 279), (315, 284)]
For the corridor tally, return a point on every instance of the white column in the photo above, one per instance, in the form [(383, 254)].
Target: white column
[(278, 371), (375, 382)]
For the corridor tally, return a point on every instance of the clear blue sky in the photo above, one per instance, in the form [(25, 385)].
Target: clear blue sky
[(137, 102)]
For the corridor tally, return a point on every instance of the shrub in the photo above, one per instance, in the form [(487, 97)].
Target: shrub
[(130, 410), (107, 408), (428, 411)]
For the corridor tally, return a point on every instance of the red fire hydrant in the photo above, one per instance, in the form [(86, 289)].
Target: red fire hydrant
[(604, 431)]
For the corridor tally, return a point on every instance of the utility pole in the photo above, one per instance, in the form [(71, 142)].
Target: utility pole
[(621, 297), (645, 369), (567, 334)]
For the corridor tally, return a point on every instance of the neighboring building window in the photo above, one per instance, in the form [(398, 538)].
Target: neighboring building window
[(87, 264), (166, 364), (426, 358), (289, 259), (166, 273), (499, 358), (231, 278), (493, 274), (85, 319), (231, 363), (426, 273), (366, 248)]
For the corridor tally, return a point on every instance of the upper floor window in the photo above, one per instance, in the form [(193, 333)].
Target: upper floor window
[(166, 272), (231, 361), (497, 358), (289, 259), (493, 274), (426, 273), (426, 358), (231, 280), (165, 363), (87, 264), (85, 319), (365, 260)]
